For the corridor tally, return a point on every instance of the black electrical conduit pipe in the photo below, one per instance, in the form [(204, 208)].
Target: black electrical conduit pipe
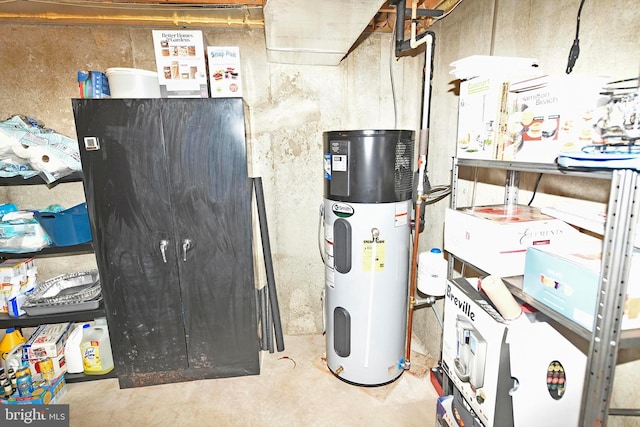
[(274, 313)]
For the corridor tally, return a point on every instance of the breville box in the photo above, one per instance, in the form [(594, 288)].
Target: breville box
[(552, 114), (495, 238), (180, 60), (46, 341), (567, 279), (224, 71), (475, 354)]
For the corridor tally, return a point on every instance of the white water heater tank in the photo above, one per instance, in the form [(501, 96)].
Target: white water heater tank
[(367, 208)]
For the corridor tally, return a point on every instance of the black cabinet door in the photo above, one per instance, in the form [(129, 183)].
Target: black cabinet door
[(211, 200), (127, 191), (170, 204)]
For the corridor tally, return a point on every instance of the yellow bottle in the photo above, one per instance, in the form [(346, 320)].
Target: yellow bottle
[(96, 350), (12, 339)]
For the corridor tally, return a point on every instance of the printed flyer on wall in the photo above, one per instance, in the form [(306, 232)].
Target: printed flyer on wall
[(180, 59)]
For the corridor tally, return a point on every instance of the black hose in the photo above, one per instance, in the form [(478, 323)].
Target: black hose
[(268, 263)]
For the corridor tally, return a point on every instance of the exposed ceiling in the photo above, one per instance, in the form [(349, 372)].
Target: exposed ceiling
[(297, 31)]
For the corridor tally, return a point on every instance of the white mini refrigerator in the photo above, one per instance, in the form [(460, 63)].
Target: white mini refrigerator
[(367, 217)]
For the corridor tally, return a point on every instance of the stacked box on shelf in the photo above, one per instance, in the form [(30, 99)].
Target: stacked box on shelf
[(450, 415), (548, 375), (567, 279), (522, 373), (495, 238), (552, 114), (44, 394), (475, 354), (484, 100), (479, 117), (47, 341), (17, 278)]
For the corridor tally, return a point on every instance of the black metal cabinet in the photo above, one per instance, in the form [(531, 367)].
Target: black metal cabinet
[(169, 202)]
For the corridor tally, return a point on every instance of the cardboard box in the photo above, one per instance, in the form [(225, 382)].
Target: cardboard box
[(46, 341), (16, 268), (59, 367), (93, 84), (475, 354), (479, 115), (224, 71), (567, 280), (17, 277), (44, 394), (552, 114), (495, 238), (180, 60), (550, 374), (447, 416)]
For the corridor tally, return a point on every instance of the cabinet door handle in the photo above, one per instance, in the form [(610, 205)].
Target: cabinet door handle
[(186, 245), (163, 249)]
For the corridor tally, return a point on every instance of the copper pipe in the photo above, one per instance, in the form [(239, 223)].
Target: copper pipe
[(412, 286)]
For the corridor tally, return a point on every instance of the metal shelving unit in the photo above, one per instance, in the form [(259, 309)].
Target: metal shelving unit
[(7, 321), (607, 336)]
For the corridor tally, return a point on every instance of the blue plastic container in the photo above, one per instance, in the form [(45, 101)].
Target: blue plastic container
[(66, 228)]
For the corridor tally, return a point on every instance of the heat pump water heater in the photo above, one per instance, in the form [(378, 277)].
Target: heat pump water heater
[(367, 216)]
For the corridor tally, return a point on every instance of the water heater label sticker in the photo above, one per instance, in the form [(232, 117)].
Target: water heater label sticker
[(402, 215), (373, 255), (327, 166), (339, 163)]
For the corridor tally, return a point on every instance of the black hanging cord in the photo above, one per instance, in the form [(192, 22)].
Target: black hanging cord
[(535, 189), (575, 48)]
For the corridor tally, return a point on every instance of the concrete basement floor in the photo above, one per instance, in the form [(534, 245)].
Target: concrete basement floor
[(295, 388)]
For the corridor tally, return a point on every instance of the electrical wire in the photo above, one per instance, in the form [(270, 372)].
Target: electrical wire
[(437, 193), (320, 238), (575, 48), (435, 311), (535, 189)]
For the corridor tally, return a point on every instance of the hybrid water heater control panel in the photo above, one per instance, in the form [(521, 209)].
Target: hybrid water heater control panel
[(337, 167)]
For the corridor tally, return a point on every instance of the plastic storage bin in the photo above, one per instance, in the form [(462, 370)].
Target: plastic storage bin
[(133, 83), (66, 228)]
